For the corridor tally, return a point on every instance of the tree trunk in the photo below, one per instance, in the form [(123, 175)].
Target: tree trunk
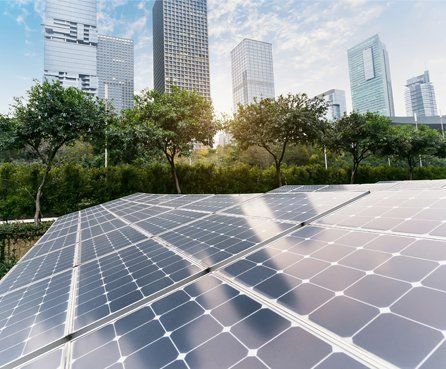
[(278, 175), (174, 174), (353, 175), (38, 213)]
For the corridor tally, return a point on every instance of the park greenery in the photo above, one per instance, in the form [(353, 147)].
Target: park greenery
[(53, 144)]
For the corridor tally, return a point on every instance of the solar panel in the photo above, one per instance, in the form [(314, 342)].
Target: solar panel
[(320, 277), (109, 242), (296, 207), (168, 220), (113, 282), (218, 237), (32, 270), (359, 285), (204, 325), (33, 317), (419, 212)]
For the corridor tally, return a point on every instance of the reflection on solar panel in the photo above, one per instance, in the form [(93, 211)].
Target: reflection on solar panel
[(296, 207), (208, 324), (419, 212), (219, 237), (319, 277), (33, 317)]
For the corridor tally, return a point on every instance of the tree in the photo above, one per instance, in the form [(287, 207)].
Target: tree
[(409, 143), (361, 135), (50, 117), (274, 124), (172, 122)]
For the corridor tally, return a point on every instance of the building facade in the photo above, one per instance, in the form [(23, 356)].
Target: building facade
[(181, 46), (370, 81), (70, 43), (420, 96), (252, 72), (115, 61), (336, 104)]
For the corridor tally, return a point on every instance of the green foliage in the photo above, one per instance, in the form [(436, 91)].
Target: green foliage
[(408, 143), (274, 124), (360, 135), (50, 117), (172, 123), (10, 235), (72, 187)]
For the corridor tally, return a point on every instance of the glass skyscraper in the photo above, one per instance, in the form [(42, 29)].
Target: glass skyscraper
[(420, 97), (115, 62), (181, 46), (336, 103), (252, 72), (70, 42), (370, 81)]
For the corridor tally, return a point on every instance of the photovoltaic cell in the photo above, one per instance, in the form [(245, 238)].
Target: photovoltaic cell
[(205, 325), (168, 220), (219, 202), (297, 207), (109, 242), (33, 317), (406, 211), (126, 276), (50, 360), (32, 270), (359, 285), (45, 247), (217, 237)]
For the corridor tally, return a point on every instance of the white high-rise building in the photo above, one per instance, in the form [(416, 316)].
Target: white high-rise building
[(71, 43), (252, 72), (115, 60), (336, 104), (370, 81), (420, 97), (181, 46)]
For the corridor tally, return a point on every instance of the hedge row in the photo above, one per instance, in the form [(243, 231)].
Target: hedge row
[(72, 187)]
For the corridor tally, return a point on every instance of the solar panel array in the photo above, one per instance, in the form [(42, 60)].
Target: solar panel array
[(301, 277)]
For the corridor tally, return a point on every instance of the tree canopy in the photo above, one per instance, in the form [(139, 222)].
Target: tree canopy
[(361, 135), (50, 117), (274, 124), (173, 123), (409, 143)]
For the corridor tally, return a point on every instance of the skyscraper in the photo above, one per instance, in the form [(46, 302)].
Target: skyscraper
[(70, 40), (181, 46), (115, 71), (336, 103), (252, 71), (420, 96), (370, 82)]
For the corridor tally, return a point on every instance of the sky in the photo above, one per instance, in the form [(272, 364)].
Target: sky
[(310, 41)]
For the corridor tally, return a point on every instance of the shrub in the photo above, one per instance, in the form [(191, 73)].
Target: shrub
[(71, 187), (15, 235)]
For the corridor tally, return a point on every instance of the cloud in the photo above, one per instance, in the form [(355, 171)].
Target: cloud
[(307, 38)]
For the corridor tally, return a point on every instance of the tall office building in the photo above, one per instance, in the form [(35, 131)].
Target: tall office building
[(115, 62), (370, 82), (420, 97), (252, 72), (181, 46), (336, 103), (70, 40)]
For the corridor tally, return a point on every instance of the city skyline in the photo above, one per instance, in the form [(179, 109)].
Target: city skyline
[(307, 57)]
